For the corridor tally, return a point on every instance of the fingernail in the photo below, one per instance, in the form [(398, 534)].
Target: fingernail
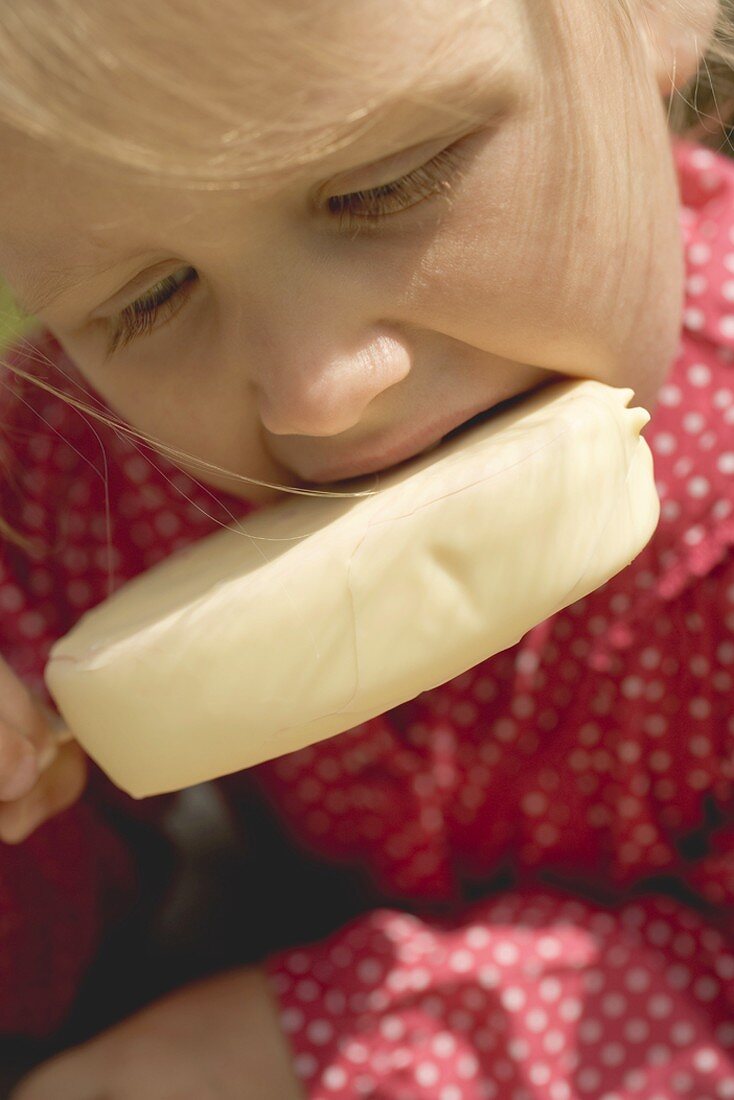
[(47, 755)]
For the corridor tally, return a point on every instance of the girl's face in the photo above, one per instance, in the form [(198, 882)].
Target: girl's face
[(311, 340)]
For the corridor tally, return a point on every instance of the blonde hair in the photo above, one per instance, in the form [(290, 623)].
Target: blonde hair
[(72, 39)]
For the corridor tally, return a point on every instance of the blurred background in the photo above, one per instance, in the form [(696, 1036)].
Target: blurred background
[(11, 325)]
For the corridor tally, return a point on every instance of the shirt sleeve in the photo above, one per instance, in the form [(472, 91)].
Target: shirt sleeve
[(72, 880), (534, 996), (60, 890)]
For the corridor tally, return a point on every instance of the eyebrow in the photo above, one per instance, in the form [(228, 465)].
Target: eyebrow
[(470, 88), (43, 288)]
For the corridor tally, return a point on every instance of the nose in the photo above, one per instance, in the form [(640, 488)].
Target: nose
[(320, 391)]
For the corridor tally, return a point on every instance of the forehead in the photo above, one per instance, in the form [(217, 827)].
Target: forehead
[(250, 89), (270, 80)]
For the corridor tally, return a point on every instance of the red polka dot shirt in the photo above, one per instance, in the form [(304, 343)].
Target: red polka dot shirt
[(593, 762)]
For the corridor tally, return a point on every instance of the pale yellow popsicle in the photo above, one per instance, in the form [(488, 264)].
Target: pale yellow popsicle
[(236, 650)]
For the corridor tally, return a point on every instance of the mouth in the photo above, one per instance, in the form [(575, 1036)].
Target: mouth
[(430, 438), (487, 414)]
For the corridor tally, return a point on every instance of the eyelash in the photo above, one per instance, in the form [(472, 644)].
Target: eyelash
[(435, 177)]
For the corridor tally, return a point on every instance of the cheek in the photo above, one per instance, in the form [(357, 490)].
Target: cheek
[(512, 265), (189, 421), (219, 426), (556, 255)]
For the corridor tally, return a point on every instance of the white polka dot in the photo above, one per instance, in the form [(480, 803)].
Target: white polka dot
[(460, 1020), (724, 966), (696, 284), (513, 998), (32, 624), (356, 1052), (694, 535), (706, 988), (489, 977), (539, 1073), (681, 1081), (461, 962), (444, 1044), (725, 1034), (706, 1060), (420, 978), (550, 989), (670, 394), (536, 1019), (369, 971), (614, 1004), (305, 1065), (554, 1041), (506, 953), (699, 374), (307, 991), (400, 1058), (570, 1009), (292, 1020), (699, 253), (477, 937), (682, 1033), (11, 597), (693, 422), (613, 1054), (590, 1030), (699, 487), (426, 1074), (505, 729), (335, 1078), (474, 999), (518, 1048), (320, 1031), (467, 1066), (702, 159), (298, 963), (534, 803), (137, 469), (588, 1079), (548, 947)]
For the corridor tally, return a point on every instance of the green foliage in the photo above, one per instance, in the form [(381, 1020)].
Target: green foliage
[(11, 324)]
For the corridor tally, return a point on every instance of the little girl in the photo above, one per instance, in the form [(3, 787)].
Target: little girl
[(276, 240)]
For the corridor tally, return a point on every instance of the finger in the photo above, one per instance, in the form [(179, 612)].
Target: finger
[(29, 716), (17, 706), (19, 764), (58, 734), (23, 760), (57, 789)]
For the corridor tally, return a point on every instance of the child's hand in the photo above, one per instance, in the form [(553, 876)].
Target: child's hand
[(42, 770)]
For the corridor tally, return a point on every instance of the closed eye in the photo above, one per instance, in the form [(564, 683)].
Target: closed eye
[(354, 210), (435, 177)]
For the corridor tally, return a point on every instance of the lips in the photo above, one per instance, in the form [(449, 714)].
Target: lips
[(389, 455)]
